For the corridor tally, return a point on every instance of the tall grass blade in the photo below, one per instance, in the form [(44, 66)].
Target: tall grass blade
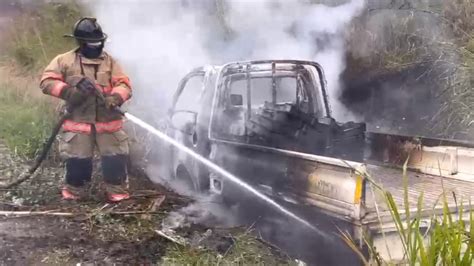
[(346, 237), (397, 219)]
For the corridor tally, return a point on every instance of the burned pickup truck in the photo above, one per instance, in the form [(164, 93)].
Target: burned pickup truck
[(269, 123)]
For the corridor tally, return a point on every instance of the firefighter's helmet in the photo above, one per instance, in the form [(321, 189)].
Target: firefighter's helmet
[(88, 30)]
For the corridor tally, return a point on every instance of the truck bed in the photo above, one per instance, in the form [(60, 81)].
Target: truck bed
[(391, 179)]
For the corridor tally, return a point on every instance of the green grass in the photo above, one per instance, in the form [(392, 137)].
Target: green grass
[(246, 250), (26, 122), (448, 242)]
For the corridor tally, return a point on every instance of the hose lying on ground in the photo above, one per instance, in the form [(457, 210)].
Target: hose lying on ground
[(46, 147), (44, 153)]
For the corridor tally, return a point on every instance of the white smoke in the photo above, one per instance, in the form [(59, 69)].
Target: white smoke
[(158, 42), (206, 209)]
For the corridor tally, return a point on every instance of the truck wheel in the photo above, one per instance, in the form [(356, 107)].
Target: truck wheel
[(203, 180), (183, 175)]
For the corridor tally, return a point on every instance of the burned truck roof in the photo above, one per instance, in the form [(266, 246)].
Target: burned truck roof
[(268, 65), (278, 103), (279, 68)]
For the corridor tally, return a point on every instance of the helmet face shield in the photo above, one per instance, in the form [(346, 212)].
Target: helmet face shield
[(91, 49), (94, 44)]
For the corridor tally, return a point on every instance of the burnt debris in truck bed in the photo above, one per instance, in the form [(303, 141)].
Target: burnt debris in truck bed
[(285, 127)]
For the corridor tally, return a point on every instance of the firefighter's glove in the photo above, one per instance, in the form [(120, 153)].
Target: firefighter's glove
[(113, 101), (77, 92), (74, 96), (86, 85)]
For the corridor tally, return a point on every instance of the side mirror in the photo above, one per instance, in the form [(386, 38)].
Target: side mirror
[(184, 121), (236, 100)]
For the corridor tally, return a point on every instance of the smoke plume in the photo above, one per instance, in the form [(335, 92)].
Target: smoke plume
[(160, 41)]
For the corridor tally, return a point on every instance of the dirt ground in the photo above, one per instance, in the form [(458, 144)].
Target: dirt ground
[(93, 231), (52, 240)]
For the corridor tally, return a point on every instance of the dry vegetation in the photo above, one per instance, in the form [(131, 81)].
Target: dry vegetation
[(439, 42), (32, 40), (36, 35), (459, 15)]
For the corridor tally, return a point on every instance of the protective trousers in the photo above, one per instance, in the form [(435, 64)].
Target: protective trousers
[(78, 150)]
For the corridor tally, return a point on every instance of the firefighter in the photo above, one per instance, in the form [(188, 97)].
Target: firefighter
[(92, 84)]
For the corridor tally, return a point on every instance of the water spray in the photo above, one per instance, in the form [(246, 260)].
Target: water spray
[(221, 171)]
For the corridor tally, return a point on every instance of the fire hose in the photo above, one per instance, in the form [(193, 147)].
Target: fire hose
[(44, 153), (49, 143)]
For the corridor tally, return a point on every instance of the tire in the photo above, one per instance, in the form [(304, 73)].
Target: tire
[(182, 174)]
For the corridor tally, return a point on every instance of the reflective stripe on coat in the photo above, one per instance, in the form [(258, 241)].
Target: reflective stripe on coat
[(67, 69)]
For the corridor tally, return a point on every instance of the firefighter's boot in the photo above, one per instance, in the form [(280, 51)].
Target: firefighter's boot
[(114, 169), (71, 193), (78, 174), (116, 196)]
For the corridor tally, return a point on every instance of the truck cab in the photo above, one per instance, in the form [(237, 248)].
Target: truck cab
[(274, 105)]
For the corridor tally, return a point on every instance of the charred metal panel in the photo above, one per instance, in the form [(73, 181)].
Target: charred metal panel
[(331, 186), (326, 182), (447, 158), (330, 181)]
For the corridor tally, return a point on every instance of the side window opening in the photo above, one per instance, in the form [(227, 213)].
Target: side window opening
[(191, 96), (267, 91), (188, 104), (246, 101), (287, 89), (267, 104), (231, 122)]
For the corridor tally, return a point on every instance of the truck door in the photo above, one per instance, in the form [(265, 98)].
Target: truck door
[(244, 128), (184, 126)]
